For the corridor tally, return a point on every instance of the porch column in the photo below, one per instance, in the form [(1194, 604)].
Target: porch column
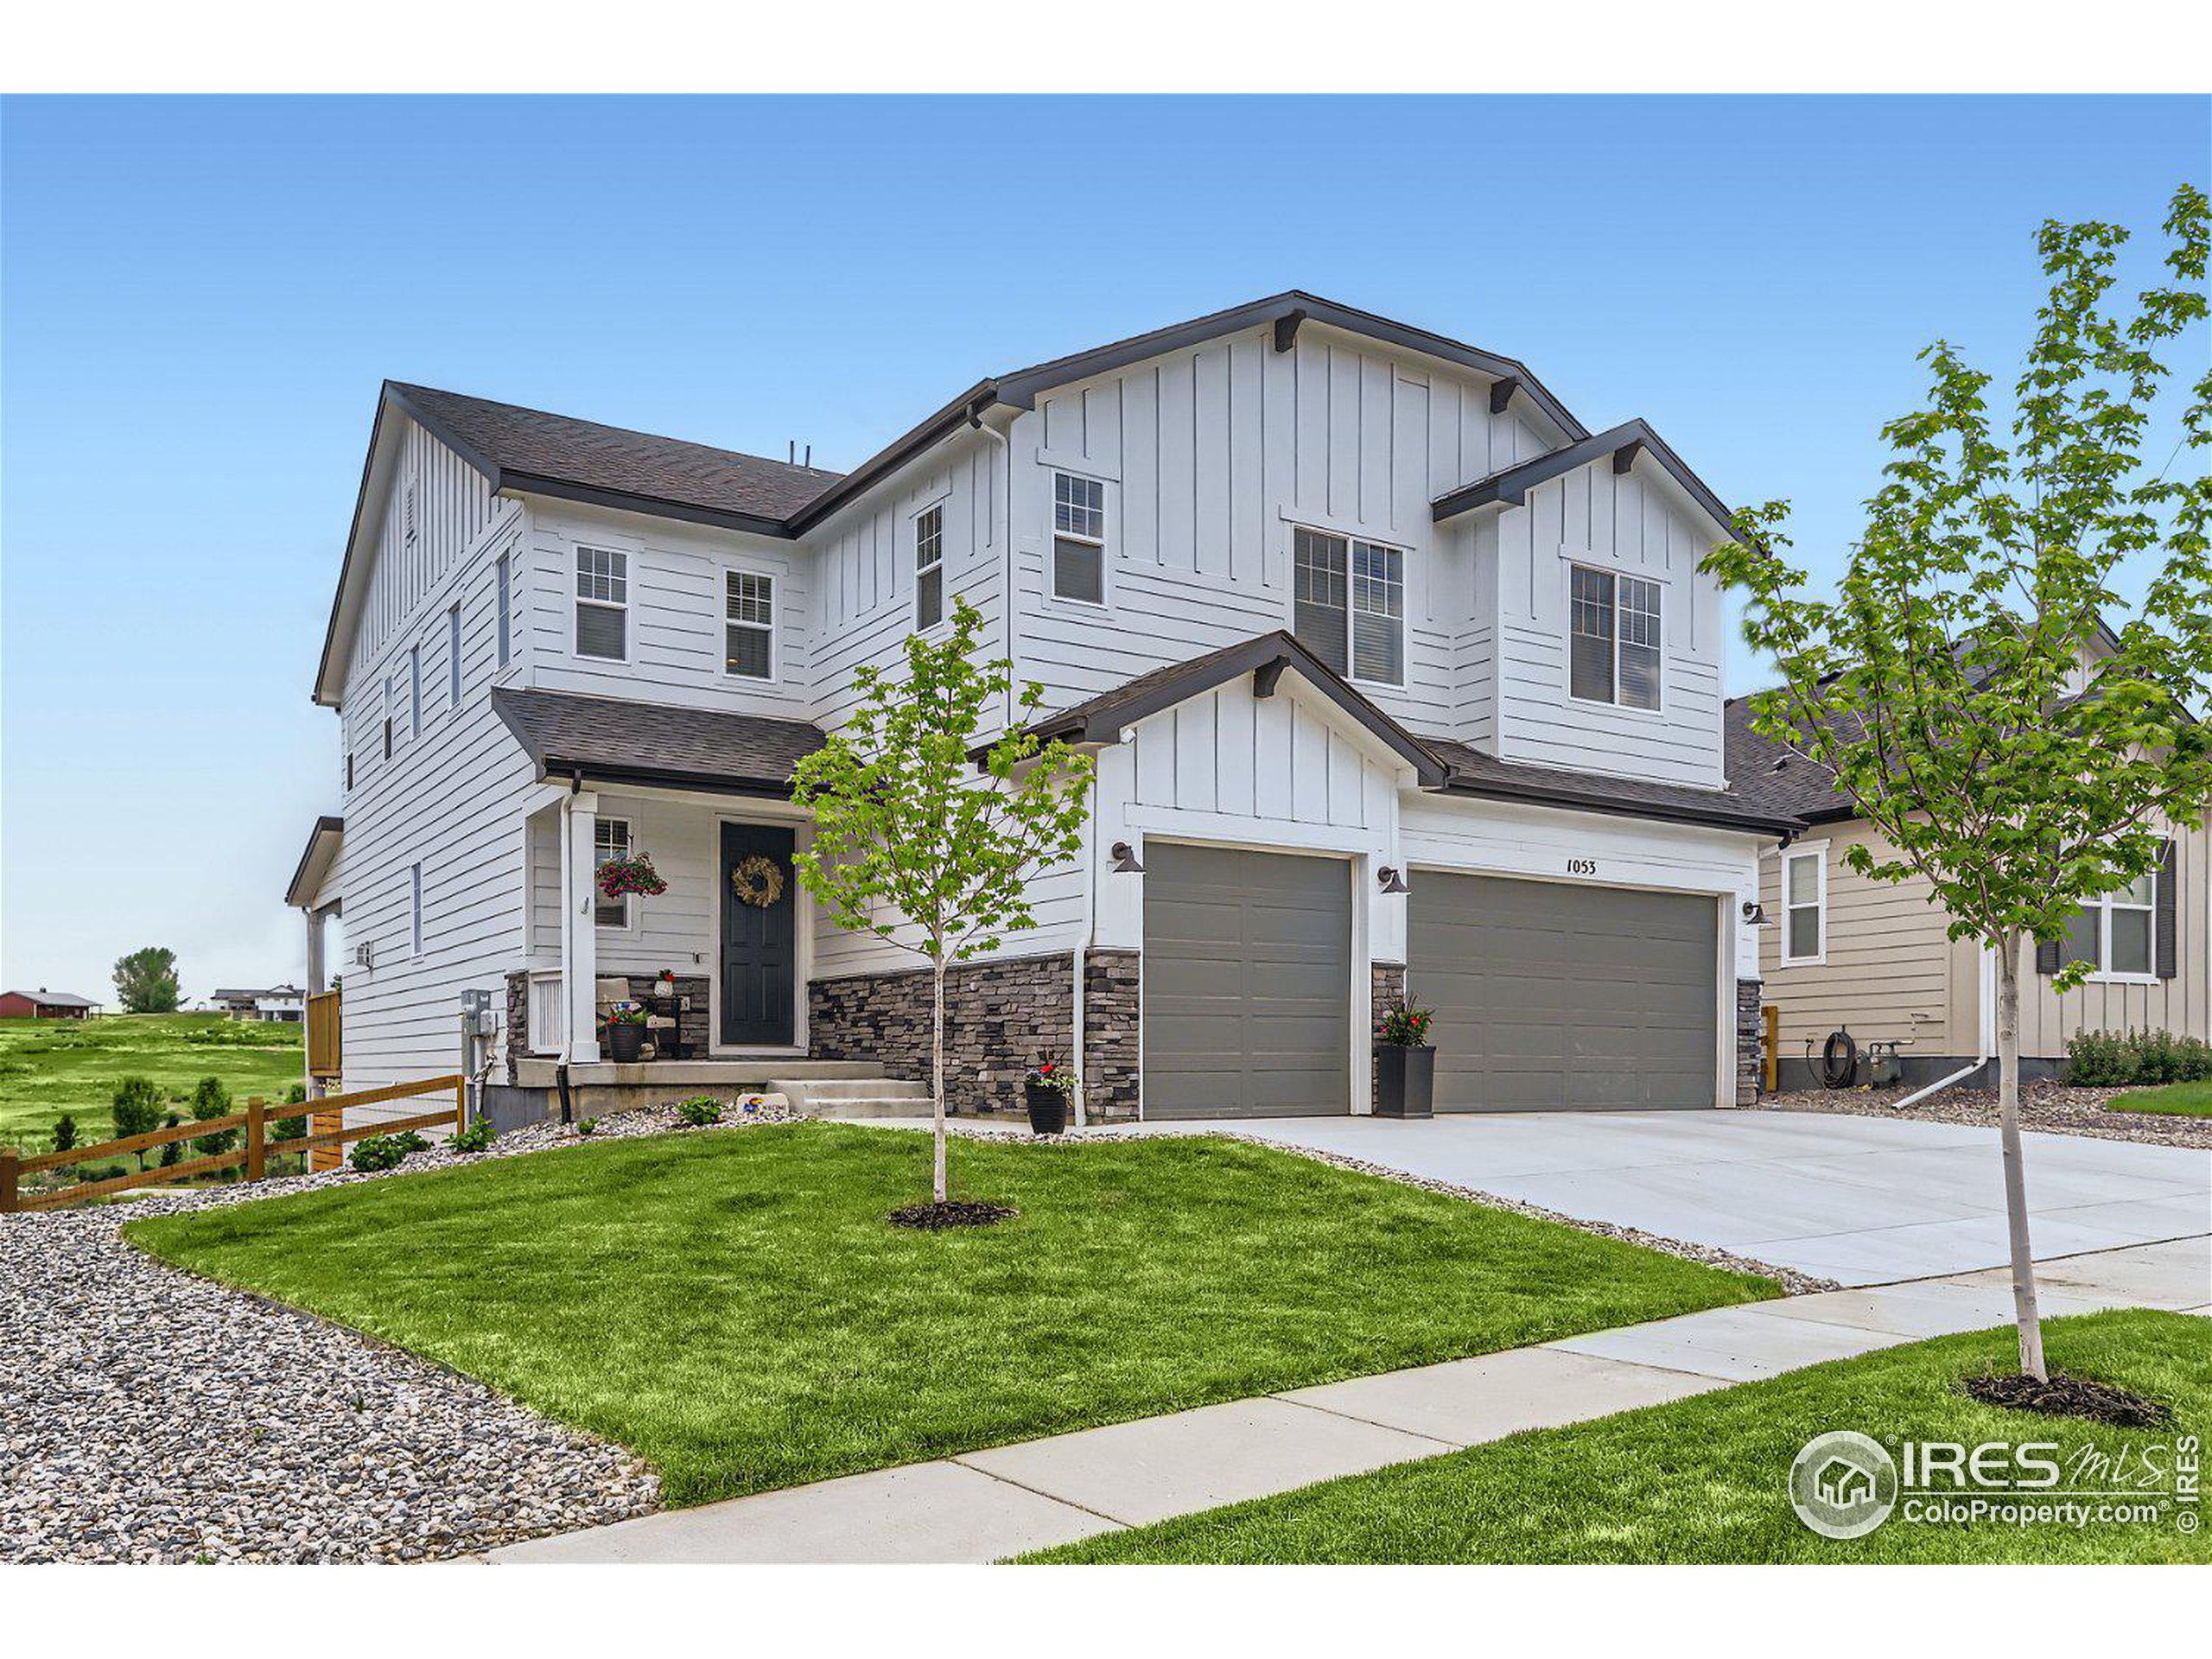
[(579, 931), (315, 984)]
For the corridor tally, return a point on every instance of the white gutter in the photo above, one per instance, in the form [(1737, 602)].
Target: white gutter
[(1988, 1040)]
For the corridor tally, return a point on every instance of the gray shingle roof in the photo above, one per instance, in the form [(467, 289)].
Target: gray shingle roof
[(56, 999), (1769, 776), (532, 443), (611, 740), (1475, 771)]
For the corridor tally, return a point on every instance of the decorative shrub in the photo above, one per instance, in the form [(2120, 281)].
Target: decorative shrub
[(1406, 1025), (377, 1152), (65, 1133), (172, 1151), (699, 1111), (388, 1151), (2108, 1059), (477, 1137), (137, 1111), (588, 1126), (288, 1128), (210, 1099)]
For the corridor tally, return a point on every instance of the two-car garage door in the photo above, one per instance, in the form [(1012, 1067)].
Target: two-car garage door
[(1548, 996), (1552, 996)]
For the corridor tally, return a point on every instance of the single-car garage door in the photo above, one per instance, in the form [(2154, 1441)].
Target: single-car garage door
[(1549, 996), (1247, 983)]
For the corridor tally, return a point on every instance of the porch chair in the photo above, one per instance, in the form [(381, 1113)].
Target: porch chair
[(606, 992)]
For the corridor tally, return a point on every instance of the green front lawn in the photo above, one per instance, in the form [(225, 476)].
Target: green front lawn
[(2177, 1099), (1703, 1479), (733, 1306)]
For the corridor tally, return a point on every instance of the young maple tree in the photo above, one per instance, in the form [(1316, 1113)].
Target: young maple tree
[(1964, 685), (917, 843)]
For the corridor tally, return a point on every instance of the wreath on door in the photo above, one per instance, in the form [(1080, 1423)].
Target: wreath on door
[(757, 882)]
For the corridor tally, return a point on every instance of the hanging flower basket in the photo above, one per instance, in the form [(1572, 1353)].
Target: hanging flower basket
[(619, 877)]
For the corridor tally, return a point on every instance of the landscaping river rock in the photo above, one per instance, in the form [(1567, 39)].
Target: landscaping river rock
[(149, 1415)]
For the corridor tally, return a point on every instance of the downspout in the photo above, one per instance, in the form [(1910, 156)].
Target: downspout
[(1987, 1039), (1083, 952), (1006, 565), (567, 952)]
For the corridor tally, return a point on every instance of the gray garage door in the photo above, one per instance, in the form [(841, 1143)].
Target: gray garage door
[(1246, 978), (1556, 997)]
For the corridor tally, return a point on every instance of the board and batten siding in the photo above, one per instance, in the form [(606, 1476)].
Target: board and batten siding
[(449, 800), (1889, 973), (1627, 523), (1211, 457)]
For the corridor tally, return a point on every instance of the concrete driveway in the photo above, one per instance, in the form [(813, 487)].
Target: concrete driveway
[(1860, 1200)]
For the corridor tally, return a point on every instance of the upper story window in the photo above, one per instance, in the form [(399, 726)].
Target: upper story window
[(929, 566), (1078, 538), (1349, 598), (748, 625), (2113, 934), (415, 690), (387, 716), (506, 625), (1614, 639), (603, 603), (453, 654), (1804, 907), (610, 838)]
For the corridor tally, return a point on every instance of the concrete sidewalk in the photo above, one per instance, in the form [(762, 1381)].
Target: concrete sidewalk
[(982, 1506)]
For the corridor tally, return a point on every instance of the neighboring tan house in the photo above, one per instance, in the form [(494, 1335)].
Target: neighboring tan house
[(1844, 952), (1397, 678), (43, 1004)]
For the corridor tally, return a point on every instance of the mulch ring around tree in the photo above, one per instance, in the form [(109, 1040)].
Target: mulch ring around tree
[(936, 1218), (2068, 1396)]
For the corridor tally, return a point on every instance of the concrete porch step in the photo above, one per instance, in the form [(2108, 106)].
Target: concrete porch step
[(876, 1096)]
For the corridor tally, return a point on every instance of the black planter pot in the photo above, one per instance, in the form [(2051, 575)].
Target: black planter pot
[(625, 1043), (1048, 1109), (1405, 1081)]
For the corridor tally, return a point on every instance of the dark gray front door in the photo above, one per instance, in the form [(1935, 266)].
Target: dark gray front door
[(1550, 996), (1247, 983), (759, 954)]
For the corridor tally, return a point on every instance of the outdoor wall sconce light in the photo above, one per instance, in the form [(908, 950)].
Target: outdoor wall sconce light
[(1125, 861), (1390, 880), (1754, 912)]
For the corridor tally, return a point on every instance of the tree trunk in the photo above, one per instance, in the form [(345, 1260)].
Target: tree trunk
[(937, 1076), (2016, 1174)]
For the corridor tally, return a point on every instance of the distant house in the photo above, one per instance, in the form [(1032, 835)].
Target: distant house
[(43, 1004), (282, 1004)]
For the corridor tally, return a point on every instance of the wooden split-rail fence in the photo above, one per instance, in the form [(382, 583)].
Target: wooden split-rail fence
[(323, 1143)]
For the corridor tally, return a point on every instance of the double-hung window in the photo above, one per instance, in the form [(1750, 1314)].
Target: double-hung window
[(1348, 600), (610, 838), (929, 566), (2114, 934), (1614, 639), (603, 603), (1804, 907), (748, 625), (1078, 538)]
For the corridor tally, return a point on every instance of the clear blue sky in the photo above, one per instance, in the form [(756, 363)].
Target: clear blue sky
[(199, 299)]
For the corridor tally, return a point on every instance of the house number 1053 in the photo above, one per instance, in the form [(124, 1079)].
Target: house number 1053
[(1582, 867)]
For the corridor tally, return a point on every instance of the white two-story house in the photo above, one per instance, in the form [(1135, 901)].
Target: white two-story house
[(1398, 677)]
